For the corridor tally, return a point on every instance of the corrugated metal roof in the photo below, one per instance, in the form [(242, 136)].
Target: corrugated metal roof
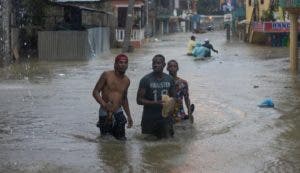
[(80, 7), (74, 0)]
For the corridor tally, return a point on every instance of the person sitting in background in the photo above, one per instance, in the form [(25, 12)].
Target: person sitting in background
[(200, 51), (210, 47), (191, 45)]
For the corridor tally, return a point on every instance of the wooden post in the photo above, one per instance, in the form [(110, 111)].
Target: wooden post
[(228, 31), (293, 43), (127, 47), (162, 27)]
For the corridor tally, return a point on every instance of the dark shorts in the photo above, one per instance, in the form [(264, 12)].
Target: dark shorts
[(115, 128), (161, 128)]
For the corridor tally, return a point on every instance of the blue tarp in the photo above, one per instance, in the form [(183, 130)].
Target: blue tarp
[(200, 51), (267, 103)]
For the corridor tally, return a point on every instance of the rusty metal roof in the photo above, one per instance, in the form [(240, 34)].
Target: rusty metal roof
[(62, 4), (74, 0)]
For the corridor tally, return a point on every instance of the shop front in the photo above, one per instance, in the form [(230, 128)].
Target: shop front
[(277, 33)]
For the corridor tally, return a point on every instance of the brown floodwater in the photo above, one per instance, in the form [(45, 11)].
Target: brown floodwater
[(48, 114)]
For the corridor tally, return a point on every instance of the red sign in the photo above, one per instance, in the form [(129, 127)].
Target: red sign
[(258, 26)]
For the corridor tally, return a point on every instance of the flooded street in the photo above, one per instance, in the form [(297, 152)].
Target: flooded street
[(48, 115)]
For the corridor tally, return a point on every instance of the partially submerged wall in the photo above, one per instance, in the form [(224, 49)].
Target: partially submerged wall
[(73, 45)]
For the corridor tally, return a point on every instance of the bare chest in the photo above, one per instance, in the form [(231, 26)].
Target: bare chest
[(117, 84)]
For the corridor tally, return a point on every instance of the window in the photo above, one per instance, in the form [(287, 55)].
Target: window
[(122, 14)]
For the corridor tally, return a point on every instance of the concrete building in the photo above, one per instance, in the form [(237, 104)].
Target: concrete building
[(119, 9), (267, 23), (74, 31), (293, 8)]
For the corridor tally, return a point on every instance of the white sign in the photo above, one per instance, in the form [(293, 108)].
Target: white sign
[(227, 17)]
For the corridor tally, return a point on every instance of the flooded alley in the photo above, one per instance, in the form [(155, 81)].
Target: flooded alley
[(48, 115)]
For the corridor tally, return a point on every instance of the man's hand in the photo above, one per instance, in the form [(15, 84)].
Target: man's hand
[(189, 112), (130, 122)]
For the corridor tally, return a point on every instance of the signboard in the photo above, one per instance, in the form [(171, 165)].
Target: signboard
[(227, 17), (258, 26), (272, 27), (277, 27)]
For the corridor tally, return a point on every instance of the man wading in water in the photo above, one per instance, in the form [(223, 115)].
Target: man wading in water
[(152, 88), (111, 93), (182, 93)]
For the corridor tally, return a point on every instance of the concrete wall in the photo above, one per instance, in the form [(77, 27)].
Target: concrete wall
[(218, 22), (73, 45)]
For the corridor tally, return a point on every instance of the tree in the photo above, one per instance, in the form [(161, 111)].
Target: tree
[(126, 43), (31, 12), (30, 17), (208, 6), (5, 10)]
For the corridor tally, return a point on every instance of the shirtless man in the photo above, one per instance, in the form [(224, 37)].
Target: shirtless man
[(111, 93)]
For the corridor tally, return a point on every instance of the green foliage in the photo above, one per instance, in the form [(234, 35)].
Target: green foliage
[(268, 16), (29, 18), (208, 7), (274, 4)]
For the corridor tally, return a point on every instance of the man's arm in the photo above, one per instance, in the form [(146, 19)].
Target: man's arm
[(126, 108), (212, 48), (187, 97), (187, 103), (98, 88)]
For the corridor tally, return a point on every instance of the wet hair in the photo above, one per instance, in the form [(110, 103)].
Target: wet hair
[(174, 61), (160, 56)]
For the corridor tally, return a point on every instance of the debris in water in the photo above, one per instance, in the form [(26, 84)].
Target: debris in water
[(267, 103)]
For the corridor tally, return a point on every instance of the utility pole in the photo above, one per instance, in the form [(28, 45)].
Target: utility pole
[(127, 47), (5, 53), (227, 22), (147, 17)]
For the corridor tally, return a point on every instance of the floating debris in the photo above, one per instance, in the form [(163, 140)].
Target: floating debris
[(267, 103)]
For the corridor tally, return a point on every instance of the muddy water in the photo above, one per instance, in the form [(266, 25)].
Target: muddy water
[(48, 116)]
